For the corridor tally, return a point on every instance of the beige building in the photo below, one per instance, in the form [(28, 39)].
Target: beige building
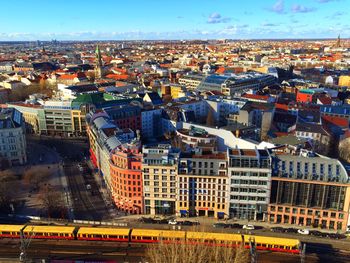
[(159, 170), (202, 185)]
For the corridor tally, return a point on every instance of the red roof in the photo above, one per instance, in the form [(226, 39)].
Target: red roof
[(256, 97), (117, 76), (325, 100), (338, 121)]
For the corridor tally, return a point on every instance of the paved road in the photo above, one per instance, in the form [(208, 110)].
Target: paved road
[(86, 204)]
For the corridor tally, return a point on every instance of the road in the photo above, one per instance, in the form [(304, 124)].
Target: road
[(85, 204)]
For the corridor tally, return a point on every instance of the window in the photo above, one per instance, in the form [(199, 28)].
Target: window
[(306, 168)]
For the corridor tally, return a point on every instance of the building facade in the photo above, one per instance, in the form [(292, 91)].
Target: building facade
[(309, 190), (126, 175), (250, 178), (202, 185), (159, 174), (12, 137)]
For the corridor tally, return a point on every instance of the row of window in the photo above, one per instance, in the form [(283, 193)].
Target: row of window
[(304, 211), (156, 177), (164, 171), (307, 166), (248, 198), (164, 184), (248, 182), (158, 195), (203, 204)]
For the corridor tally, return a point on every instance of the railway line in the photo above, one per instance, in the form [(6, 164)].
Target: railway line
[(96, 250)]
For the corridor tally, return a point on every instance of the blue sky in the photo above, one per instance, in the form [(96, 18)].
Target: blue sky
[(173, 19)]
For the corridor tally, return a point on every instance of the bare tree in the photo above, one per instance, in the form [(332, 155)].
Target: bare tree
[(344, 149), (53, 201), (8, 181), (189, 252), (35, 176)]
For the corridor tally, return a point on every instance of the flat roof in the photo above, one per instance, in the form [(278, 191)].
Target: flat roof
[(215, 236), (104, 231), (49, 229), (11, 228), (158, 233)]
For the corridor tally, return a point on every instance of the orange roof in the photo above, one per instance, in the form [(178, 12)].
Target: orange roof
[(343, 122), (68, 76), (117, 76)]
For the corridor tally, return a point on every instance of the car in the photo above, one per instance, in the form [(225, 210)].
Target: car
[(304, 231), (248, 227), (187, 223), (88, 187), (162, 221), (235, 225), (172, 222), (219, 225), (316, 233), (278, 229), (290, 230), (336, 236)]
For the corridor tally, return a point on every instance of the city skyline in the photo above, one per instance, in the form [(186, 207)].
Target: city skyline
[(153, 20)]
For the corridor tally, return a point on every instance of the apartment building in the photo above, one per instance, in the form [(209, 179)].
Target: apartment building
[(308, 189), (191, 81), (126, 175), (202, 185), (159, 174), (104, 137), (249, 174), (12, 137)]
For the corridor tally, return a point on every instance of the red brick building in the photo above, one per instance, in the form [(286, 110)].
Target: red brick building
[(126, 176)]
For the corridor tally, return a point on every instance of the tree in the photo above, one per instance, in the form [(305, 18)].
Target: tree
[(35, 176), (52, 201), (344, 149), (8, 181), (189, 252)]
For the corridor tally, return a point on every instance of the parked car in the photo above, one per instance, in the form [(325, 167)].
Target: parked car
[(316, 233), (304, 231), (248, 227), (235, 225), (187, 223), (278, 229), (290, 230), (219, 225), (172, 222), (336, 236)]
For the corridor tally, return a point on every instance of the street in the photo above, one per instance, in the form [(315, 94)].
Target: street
[(82, 193)]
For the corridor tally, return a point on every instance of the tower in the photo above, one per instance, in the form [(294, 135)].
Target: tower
[(98, 66), (338, 45)]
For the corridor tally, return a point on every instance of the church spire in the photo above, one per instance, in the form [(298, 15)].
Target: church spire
[(338, 42), (98, 61)]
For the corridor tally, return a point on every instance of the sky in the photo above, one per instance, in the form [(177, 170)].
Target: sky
[(173, 19)]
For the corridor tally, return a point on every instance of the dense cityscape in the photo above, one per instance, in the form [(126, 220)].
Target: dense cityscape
[(193, 150)]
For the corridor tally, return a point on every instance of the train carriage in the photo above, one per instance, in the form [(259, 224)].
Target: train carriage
[(214, 238), (49, 232), (153, 236), (275, 243), (109, 234), (11, 231)]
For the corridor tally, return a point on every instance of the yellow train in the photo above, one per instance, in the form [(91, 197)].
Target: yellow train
[(148, 236)]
